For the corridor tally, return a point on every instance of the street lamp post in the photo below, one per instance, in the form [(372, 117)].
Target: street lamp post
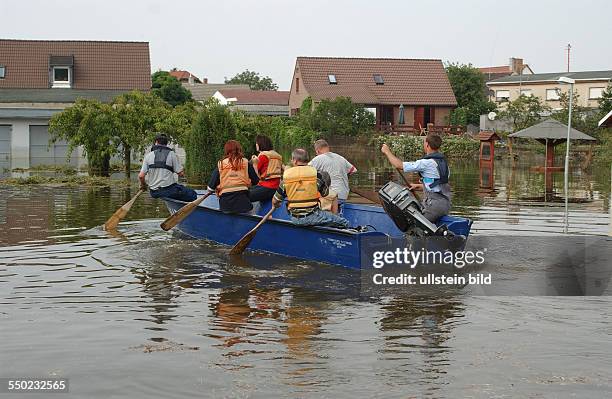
[(566, 80)]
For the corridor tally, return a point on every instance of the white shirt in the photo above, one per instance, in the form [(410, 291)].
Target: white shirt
[(338, 168), (428, 168), (160, 177)]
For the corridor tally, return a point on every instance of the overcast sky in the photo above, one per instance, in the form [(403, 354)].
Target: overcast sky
[(221, 38)]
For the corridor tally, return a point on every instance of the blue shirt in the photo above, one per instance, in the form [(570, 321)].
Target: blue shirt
[(428, 168)]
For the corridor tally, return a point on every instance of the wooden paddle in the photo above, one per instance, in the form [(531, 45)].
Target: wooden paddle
[(369, 195), (113, 221), (178, 216), (248, 237), (401, 173)]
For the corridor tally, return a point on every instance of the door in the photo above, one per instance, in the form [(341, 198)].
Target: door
[(387, 115), (42, 152), (419, 118), (5, 147), (429, 116)]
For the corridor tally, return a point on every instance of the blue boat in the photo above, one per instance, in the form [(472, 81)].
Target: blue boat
[(279, 236)]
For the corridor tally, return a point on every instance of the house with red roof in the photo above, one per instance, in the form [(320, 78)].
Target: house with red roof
[(389, 87), (516, 66), (184, 76)]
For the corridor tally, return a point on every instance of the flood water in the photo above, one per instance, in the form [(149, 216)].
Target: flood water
[(148, 313)]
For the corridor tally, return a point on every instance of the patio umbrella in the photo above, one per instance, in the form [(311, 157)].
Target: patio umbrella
[(401, 114)]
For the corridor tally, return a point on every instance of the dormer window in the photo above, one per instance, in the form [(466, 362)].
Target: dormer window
[(378, 79), (61, 76), (61, 71), (332, 79)]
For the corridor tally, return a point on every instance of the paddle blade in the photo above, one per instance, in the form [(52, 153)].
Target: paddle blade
[(246, 240), (113, 221), (181, 214), (243, 243)]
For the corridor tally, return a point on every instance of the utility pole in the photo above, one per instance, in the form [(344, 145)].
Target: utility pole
[(568, 49)]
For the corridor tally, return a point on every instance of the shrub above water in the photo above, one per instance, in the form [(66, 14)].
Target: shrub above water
[(410, 147)]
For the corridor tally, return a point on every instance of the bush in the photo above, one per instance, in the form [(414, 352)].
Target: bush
[(212, 127), (411, 147), (339, 116)]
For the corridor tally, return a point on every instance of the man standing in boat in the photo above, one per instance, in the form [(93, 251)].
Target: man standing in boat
[(160, 169), (336, 165), (303, 186), (434, 173)]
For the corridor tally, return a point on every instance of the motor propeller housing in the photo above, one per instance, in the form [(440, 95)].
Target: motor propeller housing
[(406, 212)]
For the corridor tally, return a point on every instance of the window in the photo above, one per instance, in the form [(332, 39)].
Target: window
[(552, 94), (2, 71), (61, 76), (502, 95), (297, 85), (526, 92), (332, 79), (595, 92), (378, 79)]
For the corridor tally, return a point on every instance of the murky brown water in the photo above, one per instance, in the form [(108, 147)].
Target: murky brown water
[(150, 314)]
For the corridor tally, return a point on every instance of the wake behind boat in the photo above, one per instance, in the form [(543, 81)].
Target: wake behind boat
[(322, 244)]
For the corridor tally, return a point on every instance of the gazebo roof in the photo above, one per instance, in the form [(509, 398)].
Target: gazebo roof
[(551, 129), (606, 121)]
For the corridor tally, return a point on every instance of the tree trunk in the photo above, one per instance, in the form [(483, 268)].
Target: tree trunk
[(99, 165), (127, 160)]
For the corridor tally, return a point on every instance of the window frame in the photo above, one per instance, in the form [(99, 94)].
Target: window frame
[(557, 93), (61, 83), (502, 99), (600, 93)]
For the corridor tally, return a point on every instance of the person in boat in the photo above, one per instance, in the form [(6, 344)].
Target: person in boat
[(269, 167), (336, 165), (434, 172), (160, 169), (303, 186), (232, 178)]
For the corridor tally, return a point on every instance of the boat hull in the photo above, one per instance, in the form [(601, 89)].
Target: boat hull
[(278, 235)]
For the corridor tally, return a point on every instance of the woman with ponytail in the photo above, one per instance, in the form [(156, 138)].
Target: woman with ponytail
[(232, 178)]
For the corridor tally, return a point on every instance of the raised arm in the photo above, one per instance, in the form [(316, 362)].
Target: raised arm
[(395, 161)]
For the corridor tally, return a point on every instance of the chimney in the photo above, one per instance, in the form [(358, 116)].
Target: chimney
[(205, 80), (516, 65), (191, 80)]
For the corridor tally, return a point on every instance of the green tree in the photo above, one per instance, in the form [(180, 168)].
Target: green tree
[(177, 124), (169, 88), (213, 125), (605, 101), (468, 84), (341, 116), (138, 115), (92, 125), (254, 80), (523, 112)]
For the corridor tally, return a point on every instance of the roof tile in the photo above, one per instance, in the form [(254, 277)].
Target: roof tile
[(99, 65), (406, 81)]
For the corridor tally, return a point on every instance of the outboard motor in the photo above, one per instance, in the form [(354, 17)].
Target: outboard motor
[(406, 212)]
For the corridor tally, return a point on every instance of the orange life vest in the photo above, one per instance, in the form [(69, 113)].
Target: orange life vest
[(275, 165), (233, 180), (301, 187)]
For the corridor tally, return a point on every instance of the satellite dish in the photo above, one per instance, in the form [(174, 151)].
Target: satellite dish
[(492, 116)]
